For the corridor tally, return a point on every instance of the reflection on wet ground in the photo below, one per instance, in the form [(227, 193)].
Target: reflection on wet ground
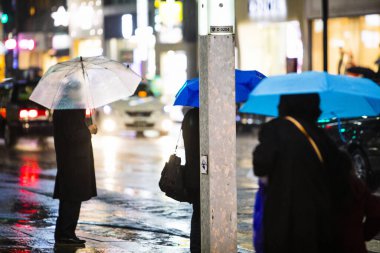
[(130, 214)]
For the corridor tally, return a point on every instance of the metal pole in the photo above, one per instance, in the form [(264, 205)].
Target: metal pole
[(325, 16), (218, 129)]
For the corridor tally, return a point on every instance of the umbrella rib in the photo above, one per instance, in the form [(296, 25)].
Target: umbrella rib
[(59, 88), (115, 73), (118, 78), (88, 86), (109, 60), (68, 71)]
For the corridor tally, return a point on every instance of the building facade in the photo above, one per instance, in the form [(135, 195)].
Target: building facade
[(28, 34), (353, 34)]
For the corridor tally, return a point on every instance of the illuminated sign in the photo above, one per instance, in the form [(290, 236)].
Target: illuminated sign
[(267, 9), (25, 44), (10, 44), (127, 26), (61, 41), (168, 21)]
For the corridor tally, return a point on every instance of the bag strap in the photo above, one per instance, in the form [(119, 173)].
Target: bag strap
[(176, 146), (312, 142)]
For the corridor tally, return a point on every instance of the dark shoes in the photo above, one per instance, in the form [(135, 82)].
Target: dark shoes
[(70, 241)]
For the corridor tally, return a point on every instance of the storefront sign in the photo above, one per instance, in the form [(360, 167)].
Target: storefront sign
[(61, 41), (267, 9)]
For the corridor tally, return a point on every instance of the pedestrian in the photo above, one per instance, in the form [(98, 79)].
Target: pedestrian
[(301, 175), (190, 132), (75, 180), (359, 217)]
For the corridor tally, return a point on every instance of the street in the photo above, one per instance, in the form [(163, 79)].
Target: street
[(130, 214)]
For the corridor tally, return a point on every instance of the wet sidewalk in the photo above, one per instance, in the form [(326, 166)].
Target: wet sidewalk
[(109, 223)]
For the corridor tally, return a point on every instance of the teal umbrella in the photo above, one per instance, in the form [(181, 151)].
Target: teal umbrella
[(341, 96)]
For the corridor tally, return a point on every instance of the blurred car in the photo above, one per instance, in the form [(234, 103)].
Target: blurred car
[(140, 112), (361, 138), (245, 122), (20, 117)]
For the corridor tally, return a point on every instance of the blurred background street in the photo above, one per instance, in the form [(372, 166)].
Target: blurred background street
[(159, 41), (130, 212)]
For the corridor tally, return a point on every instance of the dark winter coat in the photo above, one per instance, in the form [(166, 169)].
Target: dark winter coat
[(298, 211), (190, 132), (360, 221), (72, 139)]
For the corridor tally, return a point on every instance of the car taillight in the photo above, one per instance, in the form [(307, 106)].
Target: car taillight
[(3, 113), (88, 113), (32, 113)]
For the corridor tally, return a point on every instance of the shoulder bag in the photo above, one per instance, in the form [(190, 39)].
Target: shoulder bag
[(172, 178)]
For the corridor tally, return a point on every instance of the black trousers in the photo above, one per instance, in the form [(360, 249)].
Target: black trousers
[(67, 220), (195, 232)]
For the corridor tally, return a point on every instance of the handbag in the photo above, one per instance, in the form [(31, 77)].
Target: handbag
[(172, 181)]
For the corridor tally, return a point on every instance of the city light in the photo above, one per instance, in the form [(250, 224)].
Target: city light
[(61, 17), (26, 44), (127, 26), (61, 41), (10, 44), (4, 18)]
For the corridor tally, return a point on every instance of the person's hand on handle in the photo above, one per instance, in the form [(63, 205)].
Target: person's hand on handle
[(93, 129)]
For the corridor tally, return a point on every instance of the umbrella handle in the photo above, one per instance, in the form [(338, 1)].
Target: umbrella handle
[(339, 128), (92, 118)]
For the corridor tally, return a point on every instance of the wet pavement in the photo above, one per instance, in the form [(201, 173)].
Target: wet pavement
[(130, 214)]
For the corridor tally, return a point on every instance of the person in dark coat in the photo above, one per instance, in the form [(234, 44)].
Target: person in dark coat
[(301, 191), (75, 180), (359, 218), (190, 132)]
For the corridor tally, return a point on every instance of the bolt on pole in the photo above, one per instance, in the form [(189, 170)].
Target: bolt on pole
[(217, 126)]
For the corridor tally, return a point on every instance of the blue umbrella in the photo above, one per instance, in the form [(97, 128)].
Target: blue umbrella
[(246, 81), (341, 96)]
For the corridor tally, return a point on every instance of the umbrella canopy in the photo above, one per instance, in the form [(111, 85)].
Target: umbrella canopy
[(341, 96), (245, 82), (85, 82)]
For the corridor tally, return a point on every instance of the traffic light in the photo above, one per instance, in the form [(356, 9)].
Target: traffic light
[(4, 18)]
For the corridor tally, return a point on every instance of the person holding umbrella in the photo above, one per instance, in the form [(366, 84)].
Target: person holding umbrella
[(190, 133), (75, 180), (305, 183), (69, 88)]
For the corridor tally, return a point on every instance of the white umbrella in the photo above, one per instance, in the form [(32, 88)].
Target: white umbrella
[(85, 83)]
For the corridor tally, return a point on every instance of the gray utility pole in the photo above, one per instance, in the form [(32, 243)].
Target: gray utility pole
[(217, 126)]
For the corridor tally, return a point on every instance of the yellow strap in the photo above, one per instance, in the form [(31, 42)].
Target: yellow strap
[(302, 129)]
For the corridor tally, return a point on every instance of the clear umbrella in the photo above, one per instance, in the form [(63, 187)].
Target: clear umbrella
[(85, 83)]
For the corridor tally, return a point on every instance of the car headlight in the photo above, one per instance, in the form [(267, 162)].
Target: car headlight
[(107, 109), (166, 109), (109, 125)]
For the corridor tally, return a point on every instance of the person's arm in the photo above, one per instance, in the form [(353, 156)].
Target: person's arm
[(264, 156)]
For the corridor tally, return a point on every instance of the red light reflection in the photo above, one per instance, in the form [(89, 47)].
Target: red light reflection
[(29, 173)]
